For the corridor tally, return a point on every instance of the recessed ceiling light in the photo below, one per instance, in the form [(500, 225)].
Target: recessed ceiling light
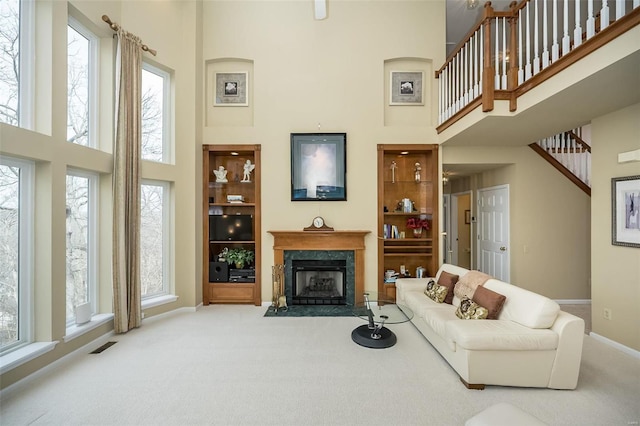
[(404, 152), (234, 153)]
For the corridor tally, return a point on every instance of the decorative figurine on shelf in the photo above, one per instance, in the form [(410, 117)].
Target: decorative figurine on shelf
[(248, 168), (221, 174), (417, 173), (394, 166)]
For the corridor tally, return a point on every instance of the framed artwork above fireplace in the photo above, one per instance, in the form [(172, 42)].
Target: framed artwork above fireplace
[(318, 166)]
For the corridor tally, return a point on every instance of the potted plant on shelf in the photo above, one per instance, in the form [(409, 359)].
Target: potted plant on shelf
[(417, 224), (239, 256)]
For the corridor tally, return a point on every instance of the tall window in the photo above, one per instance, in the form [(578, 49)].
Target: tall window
[(154, 239), (16, 47), (81, 241), (82, 48), (16, 226), (155, 114)]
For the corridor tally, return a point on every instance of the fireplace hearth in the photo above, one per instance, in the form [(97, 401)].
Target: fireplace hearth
[(319, 282)]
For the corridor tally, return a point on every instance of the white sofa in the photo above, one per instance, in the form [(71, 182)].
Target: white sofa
[(532, 343)]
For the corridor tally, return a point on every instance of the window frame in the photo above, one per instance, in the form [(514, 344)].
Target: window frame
[(92, 77), (167, 146), (93, 197), (26, 243), (167, 239)]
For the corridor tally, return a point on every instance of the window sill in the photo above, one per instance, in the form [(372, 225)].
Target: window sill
[(76, 330), (157, 301), (25, 354)]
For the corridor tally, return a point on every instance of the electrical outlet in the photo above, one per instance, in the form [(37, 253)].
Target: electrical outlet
[(607, 313)]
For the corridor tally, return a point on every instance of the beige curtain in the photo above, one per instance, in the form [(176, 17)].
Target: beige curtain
[(126, 184)]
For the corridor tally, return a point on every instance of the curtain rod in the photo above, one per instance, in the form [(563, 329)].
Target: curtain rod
[(115, 27)]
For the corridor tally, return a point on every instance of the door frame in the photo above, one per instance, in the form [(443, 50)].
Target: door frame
[(454, 226)]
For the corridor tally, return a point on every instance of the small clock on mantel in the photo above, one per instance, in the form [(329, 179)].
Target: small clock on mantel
[(318, 225)]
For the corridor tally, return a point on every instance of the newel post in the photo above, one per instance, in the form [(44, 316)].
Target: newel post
[(489, 71)]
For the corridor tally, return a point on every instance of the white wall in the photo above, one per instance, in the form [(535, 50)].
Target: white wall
[(331, 73), (615, 269)]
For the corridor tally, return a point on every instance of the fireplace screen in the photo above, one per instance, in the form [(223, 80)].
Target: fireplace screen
[(319, 282)]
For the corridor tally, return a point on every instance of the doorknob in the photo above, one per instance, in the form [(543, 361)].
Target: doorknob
[(503, 248)]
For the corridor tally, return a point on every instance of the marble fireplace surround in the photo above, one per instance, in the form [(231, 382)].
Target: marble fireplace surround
[(348, 245)]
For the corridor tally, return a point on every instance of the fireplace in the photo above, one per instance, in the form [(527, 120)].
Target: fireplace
[(318, 282), (325, 248)]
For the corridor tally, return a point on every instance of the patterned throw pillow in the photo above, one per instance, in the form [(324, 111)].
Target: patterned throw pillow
[(436, 292), (469, 309)]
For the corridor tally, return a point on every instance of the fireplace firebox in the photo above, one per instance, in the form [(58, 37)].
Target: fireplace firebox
[(319, 282)]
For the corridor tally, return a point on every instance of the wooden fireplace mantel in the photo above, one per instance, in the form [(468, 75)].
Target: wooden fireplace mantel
[(323, 240)]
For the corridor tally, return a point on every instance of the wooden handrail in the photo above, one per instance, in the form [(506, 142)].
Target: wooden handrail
[(561, 168), (579, 140)]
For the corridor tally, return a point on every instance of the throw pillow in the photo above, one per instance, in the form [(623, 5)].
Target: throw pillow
[(469, 309), (435, 292), (448, 280), (489, 299)]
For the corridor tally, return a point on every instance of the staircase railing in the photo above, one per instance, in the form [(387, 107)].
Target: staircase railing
[(571, 155), (503, 54)]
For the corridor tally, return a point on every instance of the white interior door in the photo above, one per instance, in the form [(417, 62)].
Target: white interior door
[(493, 231)]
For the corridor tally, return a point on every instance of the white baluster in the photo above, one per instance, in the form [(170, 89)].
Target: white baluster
[(447, 92), (496, 54), (440, 99), (476, 65), (504, 54), (555, 48), (591, 20), (527, 68), (536, 50), (636, 3), (566, 41), (604, 15), (456, 79), (577, 32), (463, 73), (619, 9), (520, 65), (481, 62), (545, 36)]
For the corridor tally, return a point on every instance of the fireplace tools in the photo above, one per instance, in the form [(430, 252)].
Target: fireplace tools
[(279, 298)]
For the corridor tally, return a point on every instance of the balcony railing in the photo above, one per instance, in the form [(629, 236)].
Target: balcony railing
[(508, 53)]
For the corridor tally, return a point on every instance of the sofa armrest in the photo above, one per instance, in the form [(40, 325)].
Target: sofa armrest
[(404, 285), (566, 366)]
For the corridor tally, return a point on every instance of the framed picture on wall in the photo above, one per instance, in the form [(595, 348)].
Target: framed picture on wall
[(232, 89), (407, 88), (318, 166), (625, 211)]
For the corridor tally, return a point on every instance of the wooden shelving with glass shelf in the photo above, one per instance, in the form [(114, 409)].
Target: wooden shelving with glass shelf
[(414, 177), (232, 158)]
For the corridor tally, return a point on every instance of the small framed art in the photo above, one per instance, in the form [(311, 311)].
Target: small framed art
[(232, 89), (625, 211), (407, 88)]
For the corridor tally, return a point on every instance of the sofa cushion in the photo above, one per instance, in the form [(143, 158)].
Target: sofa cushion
[(489, 299), (523, 306), (436, 292), (500, 335), (469, 309), (438, 317), (449, 281), (419, 303)]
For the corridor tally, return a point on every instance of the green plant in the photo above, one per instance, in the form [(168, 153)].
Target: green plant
[(239, 256)]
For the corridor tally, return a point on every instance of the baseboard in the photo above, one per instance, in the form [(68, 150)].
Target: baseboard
[(171, 313), (573, 301), (634, 353)]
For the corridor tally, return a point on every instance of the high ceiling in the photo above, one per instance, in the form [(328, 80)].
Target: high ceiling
[(460, 18)]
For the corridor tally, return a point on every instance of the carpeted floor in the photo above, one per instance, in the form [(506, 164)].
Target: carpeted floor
[(229, 365)]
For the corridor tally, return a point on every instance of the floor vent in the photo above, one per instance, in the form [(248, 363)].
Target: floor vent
[(103, 347)]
